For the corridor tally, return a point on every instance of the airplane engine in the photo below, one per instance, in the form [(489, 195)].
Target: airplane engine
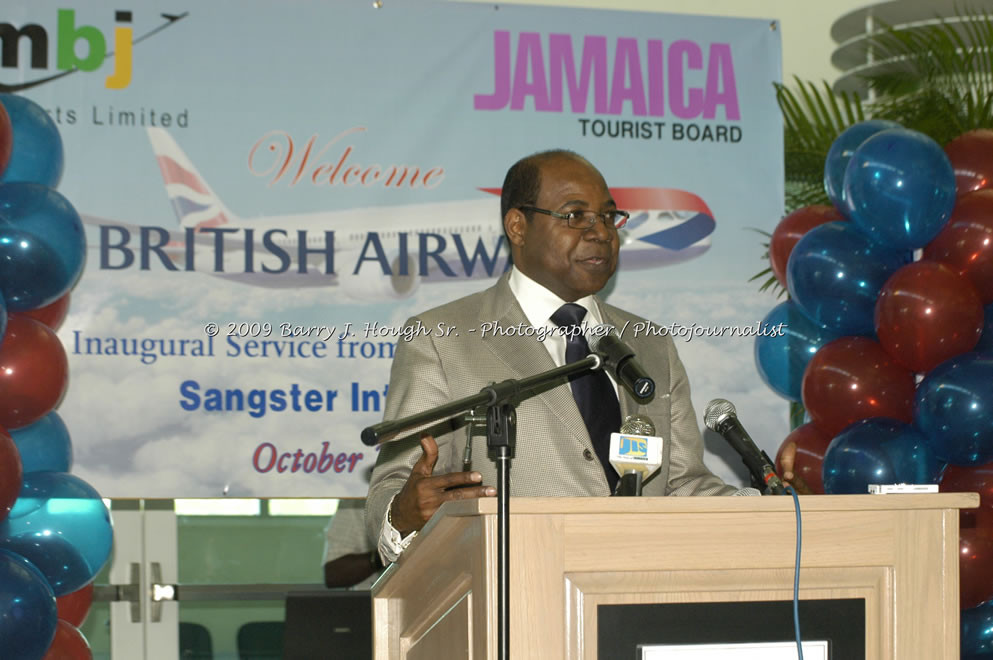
[(372, 285)]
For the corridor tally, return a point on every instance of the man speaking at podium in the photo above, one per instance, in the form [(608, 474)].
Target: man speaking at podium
[(562, 225)]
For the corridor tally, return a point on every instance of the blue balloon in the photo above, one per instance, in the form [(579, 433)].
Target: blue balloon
[(782, 359), (879, 451), (841, 152), (61, 525), (954, 409), (976, 639), (900, 188), (42, 245), (28, 613), (985, 344), (45, 445), (57, 559), (37, 154), (835, 273)]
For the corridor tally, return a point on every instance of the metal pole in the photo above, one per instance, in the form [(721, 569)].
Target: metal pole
[(501, 436)]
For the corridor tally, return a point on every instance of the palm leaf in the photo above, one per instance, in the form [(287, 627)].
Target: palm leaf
[(769, 280), (938, 78), (812, 118)]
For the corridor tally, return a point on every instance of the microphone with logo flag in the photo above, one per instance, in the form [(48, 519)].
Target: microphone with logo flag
[(636, 453)]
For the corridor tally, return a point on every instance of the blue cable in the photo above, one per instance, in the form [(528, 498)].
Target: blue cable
[(796, 574)]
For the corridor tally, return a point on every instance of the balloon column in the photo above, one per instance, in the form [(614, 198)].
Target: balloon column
[(890, 348), (55, 531)]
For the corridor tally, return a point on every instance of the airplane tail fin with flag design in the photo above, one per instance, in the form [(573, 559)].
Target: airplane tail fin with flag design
[(193, 201)]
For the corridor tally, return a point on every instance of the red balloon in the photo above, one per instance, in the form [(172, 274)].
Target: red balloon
[(971, 155), (74, 607), (10, 473), (975, 567), (966, 242), (33, 372), (791, 228), (811, 445), (972, 479), (69, 644), (51, 314), (6, 138), (854, 378), (926, 313)]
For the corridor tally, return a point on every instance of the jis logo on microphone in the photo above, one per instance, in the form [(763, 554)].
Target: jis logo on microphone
[(634, 448)]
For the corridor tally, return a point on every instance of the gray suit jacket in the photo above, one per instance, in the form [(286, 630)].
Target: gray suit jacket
[(554, 455)]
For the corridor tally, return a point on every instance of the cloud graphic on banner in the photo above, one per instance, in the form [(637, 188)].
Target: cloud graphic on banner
[(176, 451)]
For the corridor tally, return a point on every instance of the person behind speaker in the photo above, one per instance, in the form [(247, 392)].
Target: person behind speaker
[(561, 224), (350, 558)]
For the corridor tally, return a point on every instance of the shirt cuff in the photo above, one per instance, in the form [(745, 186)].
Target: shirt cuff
[(391, 544)]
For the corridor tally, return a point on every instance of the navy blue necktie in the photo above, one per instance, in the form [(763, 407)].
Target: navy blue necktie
[(594, 393)]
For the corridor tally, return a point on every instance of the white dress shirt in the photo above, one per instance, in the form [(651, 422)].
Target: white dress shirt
[(539, 304)]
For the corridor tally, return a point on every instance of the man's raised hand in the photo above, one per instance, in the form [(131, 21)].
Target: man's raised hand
[(424, 493)]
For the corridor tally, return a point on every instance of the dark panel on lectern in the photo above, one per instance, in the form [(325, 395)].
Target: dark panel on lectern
[(331, 625), (621, 628)]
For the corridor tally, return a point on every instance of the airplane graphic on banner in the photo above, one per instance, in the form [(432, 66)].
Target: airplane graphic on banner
[(375, 253)]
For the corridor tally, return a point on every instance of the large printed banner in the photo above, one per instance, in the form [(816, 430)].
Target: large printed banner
[(270, 191)]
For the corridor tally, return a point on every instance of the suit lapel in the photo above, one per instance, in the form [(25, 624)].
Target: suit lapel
[(526, 356)]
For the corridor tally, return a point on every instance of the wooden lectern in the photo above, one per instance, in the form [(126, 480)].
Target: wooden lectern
[(898, 553)]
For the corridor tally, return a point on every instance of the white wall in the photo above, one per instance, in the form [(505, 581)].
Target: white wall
[(806, 25)]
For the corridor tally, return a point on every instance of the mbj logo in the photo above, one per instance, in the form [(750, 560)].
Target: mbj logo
[(77, 48), (634, 448), (69, 34)]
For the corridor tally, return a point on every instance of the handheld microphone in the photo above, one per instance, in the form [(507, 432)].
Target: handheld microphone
[(720, 416), (636, 453), (619, 359)]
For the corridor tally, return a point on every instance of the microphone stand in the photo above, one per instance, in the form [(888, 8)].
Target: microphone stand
[(500, 400), (629, 484)]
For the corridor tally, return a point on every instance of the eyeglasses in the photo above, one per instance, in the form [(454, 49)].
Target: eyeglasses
[(585, 219)]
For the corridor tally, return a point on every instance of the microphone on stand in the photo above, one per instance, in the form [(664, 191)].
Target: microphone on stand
[(619, 359), (636, 453), (720, 416)]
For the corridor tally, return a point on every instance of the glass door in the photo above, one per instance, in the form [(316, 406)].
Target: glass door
[(204, 579)]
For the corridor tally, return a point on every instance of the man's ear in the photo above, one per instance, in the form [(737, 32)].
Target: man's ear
[(516, 226)]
